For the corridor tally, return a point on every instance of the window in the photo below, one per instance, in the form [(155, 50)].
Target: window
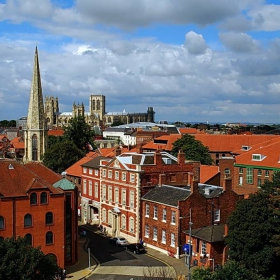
[(123, 222), (84, 170), (227, 172), (132, 177), (240, 181), (131, 224), (95, 189), (173, 217), (163, 236), (2, 222), (104, 215), (249, 175), (34, 147), (172, 240), (147, 214), (33, 199), (116, 195), (90, 188), (155, 233), (259, 182), (110, 218), (203, 247), (117, 175), (124, 197), (164, 215), (103, 172), (109, 173), (96, 172), (259, 172), (43, 198), (110, 194), (147, 230), (27, 220), (266, 173), (28, 239), (49, 237), (217, 215), (123, 176), (155, 212), (240, 170), (84, 186), (90, 171), (131, 199), (104, 192), (49, 218)]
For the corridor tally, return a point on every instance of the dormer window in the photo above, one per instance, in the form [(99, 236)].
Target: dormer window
[(245, 148), (258, 157)]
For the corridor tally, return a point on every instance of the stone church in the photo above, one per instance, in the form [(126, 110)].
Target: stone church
[(96, 116)]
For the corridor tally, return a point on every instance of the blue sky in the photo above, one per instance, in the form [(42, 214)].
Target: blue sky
[(191, 61)]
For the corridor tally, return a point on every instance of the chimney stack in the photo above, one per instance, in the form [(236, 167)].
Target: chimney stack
[(181, 157)]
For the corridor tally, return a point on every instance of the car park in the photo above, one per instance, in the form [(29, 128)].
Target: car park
[(136, 248), (119, 241)]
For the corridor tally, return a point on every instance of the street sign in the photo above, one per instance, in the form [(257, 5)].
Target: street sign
[(187, 248)]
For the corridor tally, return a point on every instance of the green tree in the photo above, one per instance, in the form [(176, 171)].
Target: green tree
[(62, 155), (254, 229), (21, 261), (52, 140), (193, 149), (6, 123), (80, 133)]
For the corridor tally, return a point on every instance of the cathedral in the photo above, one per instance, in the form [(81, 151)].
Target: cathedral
[(96, 116)]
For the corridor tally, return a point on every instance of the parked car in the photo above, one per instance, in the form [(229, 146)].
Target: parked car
[(119, 241), (136, 248)]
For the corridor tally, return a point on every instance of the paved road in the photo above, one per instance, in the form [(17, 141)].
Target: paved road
[(116, 263)]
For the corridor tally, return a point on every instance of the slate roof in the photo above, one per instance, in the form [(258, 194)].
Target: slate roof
[(211, 234), (168, 195), (95, 162), (210, 191)]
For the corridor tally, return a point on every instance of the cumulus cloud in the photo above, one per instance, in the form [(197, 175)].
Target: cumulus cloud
[(194, 43), (239, 42)]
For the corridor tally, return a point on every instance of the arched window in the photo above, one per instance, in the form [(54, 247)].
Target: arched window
[(33, 199), (28, 239), (49, 237), (49, 218), (2, 222), (43, 198), (27, 220), (34, 147)]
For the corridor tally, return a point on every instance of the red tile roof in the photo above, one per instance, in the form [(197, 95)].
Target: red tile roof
[(207, 172), (186, 130), (56, 132), (167, 142), (17, 179)]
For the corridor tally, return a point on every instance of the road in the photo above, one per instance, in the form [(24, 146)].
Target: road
[(115, 263)]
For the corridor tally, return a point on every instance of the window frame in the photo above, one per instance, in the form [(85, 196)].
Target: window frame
[(147, 210), (28, 221), (217, 215), (49, 238), (155, 233), (155, 212), (2, 223), (173, 217), (45, 198), (33, 199), (172, 239), (49, 219), (164, 214), (163, 236)]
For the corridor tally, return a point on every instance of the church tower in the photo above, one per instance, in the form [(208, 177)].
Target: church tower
[(36, 132), (97, 106)]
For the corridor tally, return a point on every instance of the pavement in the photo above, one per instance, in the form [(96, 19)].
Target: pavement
[(86, 265)]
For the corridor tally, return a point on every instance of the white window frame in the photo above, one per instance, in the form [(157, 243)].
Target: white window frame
[(103, 192), (132, 177), (103, 172), (123, 225), (123, 176), (217, 215), (104, 215), (173, 217), (117, 175), (163, 236), (84, 186), (131, 224), (147, 230), (124, 197), (110, 193), (203, 247), (89, 187), (147, 210), (90, 171), (96, 189), (164, 214), (96, 172), (110, 218), (131, 198), (155, 233), (84, 170), (116, 195), (109, 173), (172, 240), (155, 212)]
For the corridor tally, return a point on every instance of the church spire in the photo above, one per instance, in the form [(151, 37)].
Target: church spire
[(35, 137)]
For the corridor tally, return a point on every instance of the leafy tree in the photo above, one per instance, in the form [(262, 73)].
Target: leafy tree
[(21, 261), (193, 149), (254, 230), (6, 123), (52, 140), (80, 133), (62, 155), (117, 123)]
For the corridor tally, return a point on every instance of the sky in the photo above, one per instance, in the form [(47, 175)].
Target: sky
[(191, 60)]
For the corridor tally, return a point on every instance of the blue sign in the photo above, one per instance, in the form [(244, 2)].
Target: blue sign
[(187, 248)]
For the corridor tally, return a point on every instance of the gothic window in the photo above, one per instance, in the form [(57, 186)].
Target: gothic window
[(93, 105), (34, 147), (98, 105)]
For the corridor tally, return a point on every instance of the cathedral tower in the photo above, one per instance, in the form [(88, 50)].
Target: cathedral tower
[(97, 106), (36, 132)]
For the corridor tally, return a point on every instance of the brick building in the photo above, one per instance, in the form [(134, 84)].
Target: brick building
[(41, 206), (129, 176)]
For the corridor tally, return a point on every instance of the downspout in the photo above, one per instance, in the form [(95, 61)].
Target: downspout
[(14, 218)]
